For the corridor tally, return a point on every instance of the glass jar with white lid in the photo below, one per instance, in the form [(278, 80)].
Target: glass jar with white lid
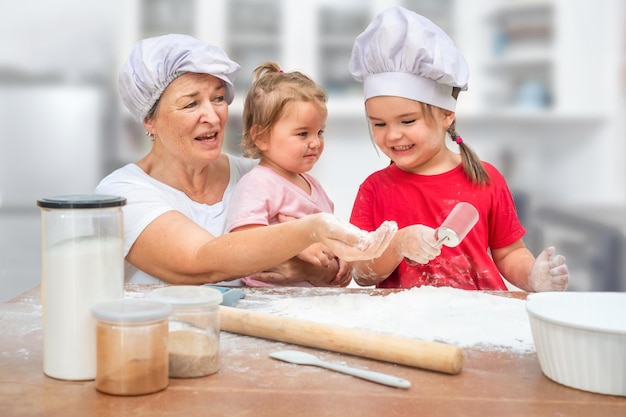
[(194, 329)]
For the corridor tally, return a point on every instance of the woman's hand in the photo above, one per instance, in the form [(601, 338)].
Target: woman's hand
[(549, 272), (347, 241)]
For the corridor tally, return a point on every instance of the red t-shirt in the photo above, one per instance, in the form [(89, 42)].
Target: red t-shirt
[(407, 198)]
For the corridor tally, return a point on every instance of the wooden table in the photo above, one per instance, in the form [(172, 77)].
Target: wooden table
[(492, 383)]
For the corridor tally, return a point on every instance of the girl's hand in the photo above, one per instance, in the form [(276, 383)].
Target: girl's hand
[(344, 276), (341, 279), (417, 244), (317, 254), (549, 272), (296, 270)]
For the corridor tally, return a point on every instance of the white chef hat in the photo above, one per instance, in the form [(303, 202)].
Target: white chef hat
[(154, 63), (404, 54)]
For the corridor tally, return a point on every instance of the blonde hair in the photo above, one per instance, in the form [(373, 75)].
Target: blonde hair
[(472, 165), (272, 90)]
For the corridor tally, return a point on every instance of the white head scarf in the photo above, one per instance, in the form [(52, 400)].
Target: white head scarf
[(154, 63), (404, 54)]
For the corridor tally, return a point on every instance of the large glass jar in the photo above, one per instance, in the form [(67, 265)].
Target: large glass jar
[(82, 264)]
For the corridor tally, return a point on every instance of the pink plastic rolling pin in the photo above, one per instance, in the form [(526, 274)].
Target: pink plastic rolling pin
[(457, 225)]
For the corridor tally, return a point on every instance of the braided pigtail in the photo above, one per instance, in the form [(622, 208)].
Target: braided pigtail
[(472, 166)]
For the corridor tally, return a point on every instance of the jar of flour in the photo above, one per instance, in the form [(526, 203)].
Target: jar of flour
[(82, 264)]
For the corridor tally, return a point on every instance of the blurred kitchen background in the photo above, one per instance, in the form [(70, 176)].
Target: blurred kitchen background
[(546, 105)]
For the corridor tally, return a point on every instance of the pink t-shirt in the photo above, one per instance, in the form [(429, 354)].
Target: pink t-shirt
[(262, 194)]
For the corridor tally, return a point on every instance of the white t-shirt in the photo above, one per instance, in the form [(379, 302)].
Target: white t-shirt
[(148, 198)]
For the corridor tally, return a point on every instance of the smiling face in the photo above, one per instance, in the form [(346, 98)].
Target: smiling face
[(411, 137), (190, 119), (296, 141)]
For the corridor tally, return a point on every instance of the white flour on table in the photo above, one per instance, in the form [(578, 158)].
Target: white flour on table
[(463, 318)]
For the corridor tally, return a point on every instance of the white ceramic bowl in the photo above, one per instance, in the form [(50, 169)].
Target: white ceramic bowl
[(580, 339)]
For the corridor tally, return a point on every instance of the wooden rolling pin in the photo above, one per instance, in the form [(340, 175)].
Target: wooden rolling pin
[(434, 356)]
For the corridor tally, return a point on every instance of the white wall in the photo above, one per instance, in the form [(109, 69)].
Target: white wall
[(575, 166)]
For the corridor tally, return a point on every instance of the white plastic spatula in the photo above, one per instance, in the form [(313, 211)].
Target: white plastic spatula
[(301, 358), (457, 225)]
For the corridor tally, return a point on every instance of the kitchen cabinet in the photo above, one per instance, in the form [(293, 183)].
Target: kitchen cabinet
[(530, 60), (543, 61), (313, 36), (543, 85), (522, 55)]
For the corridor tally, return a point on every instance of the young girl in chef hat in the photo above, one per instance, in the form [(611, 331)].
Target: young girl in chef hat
[(412, 74)]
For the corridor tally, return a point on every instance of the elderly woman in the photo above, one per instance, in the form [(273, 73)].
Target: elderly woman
[(177, 195)]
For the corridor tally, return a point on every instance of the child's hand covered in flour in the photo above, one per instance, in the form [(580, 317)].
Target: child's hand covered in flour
[(549, 272), (416, 244)]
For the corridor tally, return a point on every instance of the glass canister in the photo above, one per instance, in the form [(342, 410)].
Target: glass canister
[(131, 348), (194, 327), (82, 264)]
